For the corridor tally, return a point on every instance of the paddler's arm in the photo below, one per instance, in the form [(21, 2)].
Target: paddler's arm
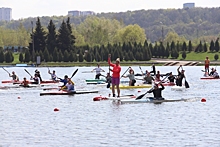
[(162, 87), (109, 60)]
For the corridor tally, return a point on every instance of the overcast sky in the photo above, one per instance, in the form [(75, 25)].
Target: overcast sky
[(34, 8)]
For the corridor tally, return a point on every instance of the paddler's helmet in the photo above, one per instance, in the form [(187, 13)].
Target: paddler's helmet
[(65, 76)]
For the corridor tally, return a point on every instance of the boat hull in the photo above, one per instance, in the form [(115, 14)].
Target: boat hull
[(209, 78), (62, 92), (148, 100), (100, 98), (95, 80), (30, 82)]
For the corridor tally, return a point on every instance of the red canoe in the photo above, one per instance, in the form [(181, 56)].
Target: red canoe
[(169, 84)]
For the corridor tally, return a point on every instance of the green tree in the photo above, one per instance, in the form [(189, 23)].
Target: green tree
[(55, 55), (46, 55), (184, 54), (66, 56), (184, 47), (21, 58), (190, 46), (212, 46), (217, 45), (2, 56), (80, 57), (27, 56), (216, 57), (51, 37)]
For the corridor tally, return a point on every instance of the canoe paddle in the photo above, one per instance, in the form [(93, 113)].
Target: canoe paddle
[(5, 70), (125, 72), (27, 72), (141, 96), (141, 70), (74, 73)]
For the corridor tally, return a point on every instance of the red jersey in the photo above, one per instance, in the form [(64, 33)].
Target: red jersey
[(116, 69)]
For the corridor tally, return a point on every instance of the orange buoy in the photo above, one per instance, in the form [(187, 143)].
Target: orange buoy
[(139, 91), (56, 109), (19, 97), (203, 100)]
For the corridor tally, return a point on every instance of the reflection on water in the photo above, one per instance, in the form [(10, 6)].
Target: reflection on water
[(31, 121)]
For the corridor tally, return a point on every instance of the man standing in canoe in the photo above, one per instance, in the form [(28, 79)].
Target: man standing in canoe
[(180, 76), (157, 91), (153, 70), (98, 71), (207, 62), (115, 74)]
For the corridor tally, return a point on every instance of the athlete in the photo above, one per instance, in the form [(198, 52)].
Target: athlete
[(38, 74), (180, 76), (171, 78), (131, 77), (115, 75), (69, 87), (157, 91), (64, 81), (14, 76), (207, 62), (98, 71), (36, 79), (53, 75), (148, 78), (25, 83)]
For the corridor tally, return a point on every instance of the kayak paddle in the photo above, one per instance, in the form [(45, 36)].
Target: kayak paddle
[(74, 73), (5, 70), (125, 71), (28, 72)]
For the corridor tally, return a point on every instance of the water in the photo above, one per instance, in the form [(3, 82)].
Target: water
[(81, 122)]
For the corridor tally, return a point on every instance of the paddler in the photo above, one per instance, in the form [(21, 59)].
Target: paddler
[(131, 77), (14, 76), (64, 81), (207, 62), (36, 79), (148, 78), (115, 74), (214, 73), (69, 87), (180, 76), (157, 92), (38, 74), (25, 83), (53, 75), (98, 71), (153, 70), (171, 78)]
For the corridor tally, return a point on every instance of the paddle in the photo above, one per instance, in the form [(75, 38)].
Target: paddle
[(141, 96), (141, 70), (109, 84), (5, 70), (27, 72), (186, 83), (74, 73), (125, 72)]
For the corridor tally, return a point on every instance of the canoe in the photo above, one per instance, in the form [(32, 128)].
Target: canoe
[(100, 98), (95, 80), (136, 86), (30, 82), (209, 78), (149, 100), (62, 92)]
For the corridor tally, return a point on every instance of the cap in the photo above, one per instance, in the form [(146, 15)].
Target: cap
[(118, 59), (65, 76)]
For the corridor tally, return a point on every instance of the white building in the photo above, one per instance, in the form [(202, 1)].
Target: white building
[(80, 13), (5, 14), (188, 5)]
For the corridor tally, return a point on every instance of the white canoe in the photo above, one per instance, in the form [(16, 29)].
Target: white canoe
[(148, 100), (178, 88)]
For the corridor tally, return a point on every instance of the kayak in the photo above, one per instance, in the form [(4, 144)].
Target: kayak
[(99, 82), (95, 80), (179, 88), (100, 98), (63, 92), (30, 82), (168, 84), (136, 86), (149, 100), (209, 78)]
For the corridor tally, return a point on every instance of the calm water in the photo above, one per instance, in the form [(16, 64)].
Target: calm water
[(81, 122)]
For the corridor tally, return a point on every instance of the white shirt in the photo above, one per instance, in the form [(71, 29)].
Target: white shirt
[(98, 70)]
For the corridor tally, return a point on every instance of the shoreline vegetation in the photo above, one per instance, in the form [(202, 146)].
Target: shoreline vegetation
[(157, 62)]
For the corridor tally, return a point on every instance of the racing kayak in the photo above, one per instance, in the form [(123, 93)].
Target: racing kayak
[(95, 80), (149, 100), (100, 98), (63, 92), (30, 82), (168, 84), (99, 82), (136, 86), (209, 78), (179, 88)]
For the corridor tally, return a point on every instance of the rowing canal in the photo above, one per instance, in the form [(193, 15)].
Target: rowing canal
[(81, 122)]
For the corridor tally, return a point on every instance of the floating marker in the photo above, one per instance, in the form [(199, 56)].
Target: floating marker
[(203, 100), (56, 109), (19, 97), (139, 91)]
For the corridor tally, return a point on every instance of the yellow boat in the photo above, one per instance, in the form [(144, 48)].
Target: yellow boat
[(136, 86)]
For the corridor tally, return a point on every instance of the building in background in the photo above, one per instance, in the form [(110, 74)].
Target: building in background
[(5, 14), (188, 5), (80, 13)]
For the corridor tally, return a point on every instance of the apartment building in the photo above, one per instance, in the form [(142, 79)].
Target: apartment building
[(80, 13), (5, 14)]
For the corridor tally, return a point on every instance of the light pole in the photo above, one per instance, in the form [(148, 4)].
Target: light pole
[(33, 52)]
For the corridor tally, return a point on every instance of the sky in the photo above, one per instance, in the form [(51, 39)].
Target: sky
[(34, 8)]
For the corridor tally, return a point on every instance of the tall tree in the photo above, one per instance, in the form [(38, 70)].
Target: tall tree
[(51, 37), (64, 41), (217, 45), (72, 37)]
